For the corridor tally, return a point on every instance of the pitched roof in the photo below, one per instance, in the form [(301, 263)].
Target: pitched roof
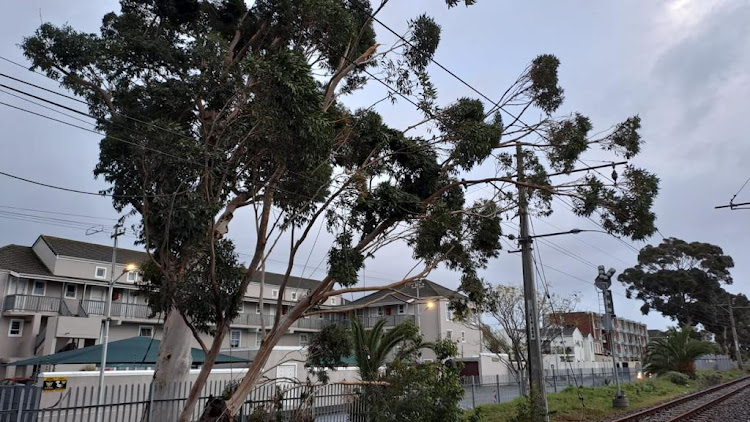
[(21, 259), (276, 279), (92, 251), (134, 350), (552, 332), (427, 289)]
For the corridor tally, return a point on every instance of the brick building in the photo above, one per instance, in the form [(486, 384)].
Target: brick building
[(630, 337)]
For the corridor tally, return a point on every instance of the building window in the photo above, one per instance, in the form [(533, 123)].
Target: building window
[(39, 288), (15, 329), (401, 309), (303, 340), (234, 338), (449, 335), (333, 301), (146, 331), (257, 308), (132, 277), (448, 313), (258, 339), (71, 291), (380, 311), (241, 307), (274, 294), (320, 316), (463, 336), (294, 296), (101, 272)]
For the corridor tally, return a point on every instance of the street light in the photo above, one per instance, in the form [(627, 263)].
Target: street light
[(603, 281), (105, 338)]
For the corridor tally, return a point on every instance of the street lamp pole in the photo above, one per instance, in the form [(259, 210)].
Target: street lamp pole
[(602, 282), (118, 230)]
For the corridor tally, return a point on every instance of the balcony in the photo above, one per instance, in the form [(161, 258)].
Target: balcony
[(27, 303), (315, 323), (119, 310)]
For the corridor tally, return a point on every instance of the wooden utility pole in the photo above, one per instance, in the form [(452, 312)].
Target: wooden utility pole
[(537, 388)]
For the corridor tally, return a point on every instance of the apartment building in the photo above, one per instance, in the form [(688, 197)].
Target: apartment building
[(54, 296), (630, 337), (427, 304), (54, 292)]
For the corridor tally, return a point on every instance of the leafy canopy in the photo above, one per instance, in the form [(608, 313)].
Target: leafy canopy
[(683, 281)]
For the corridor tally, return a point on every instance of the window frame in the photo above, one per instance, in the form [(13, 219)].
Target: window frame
[(307, 339), (149, 327), (449, 335), (274, 294), (333, 301), (293, 295), (239, 339), (448, 313), (96, 272), (401, 309), (380, 311), (257, 309), (20, 327), (258, 339), (241, 307), (75, 291), (33, 288), (463, 336), (134, 274)]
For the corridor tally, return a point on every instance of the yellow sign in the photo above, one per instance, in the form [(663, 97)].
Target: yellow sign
[(55, 384)]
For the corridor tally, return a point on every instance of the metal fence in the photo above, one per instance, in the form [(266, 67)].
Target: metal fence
[(715, 363), (492, 389), (134, 402)]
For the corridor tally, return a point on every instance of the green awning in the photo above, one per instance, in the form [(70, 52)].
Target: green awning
[(131, 351)]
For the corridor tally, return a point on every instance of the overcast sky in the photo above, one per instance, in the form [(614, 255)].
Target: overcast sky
[(680, 65)]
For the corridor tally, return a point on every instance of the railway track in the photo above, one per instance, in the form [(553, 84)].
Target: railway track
[(692, 406)]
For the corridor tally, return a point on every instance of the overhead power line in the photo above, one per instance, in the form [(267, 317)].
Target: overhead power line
[(83, 192)]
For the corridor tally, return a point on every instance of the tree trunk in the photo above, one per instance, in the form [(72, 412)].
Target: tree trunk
[(172, 364), (197, 387), (231, 406)]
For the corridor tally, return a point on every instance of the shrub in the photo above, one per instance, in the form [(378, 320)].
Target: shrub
[(677, 378)]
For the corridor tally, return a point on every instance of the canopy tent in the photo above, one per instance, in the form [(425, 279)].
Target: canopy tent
[(131, 351)]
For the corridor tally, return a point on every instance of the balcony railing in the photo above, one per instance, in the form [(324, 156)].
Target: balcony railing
[(315, 323), (119, 310), (31, 303)]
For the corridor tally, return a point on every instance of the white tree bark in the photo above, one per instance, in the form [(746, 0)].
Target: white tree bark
[(172, 364)]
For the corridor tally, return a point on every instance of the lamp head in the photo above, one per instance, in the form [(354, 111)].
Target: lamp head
[(130, 268), (610, 272), (430, 305), (601, 270)]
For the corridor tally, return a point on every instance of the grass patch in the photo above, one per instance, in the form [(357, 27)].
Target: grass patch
[(566, 406)]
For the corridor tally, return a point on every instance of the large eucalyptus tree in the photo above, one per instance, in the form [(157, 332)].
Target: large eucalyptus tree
[(212, 106)]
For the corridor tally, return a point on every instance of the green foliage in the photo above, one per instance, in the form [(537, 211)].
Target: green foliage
[(207, 294), (681, 280), (344, 262), (422, 392), (546, 93), (372, 347), (677, 378), (424, 40), (569, 139), (676, 352), (327, 349)]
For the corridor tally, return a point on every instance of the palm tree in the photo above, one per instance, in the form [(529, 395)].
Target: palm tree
[(372, 347), (676, 351)]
